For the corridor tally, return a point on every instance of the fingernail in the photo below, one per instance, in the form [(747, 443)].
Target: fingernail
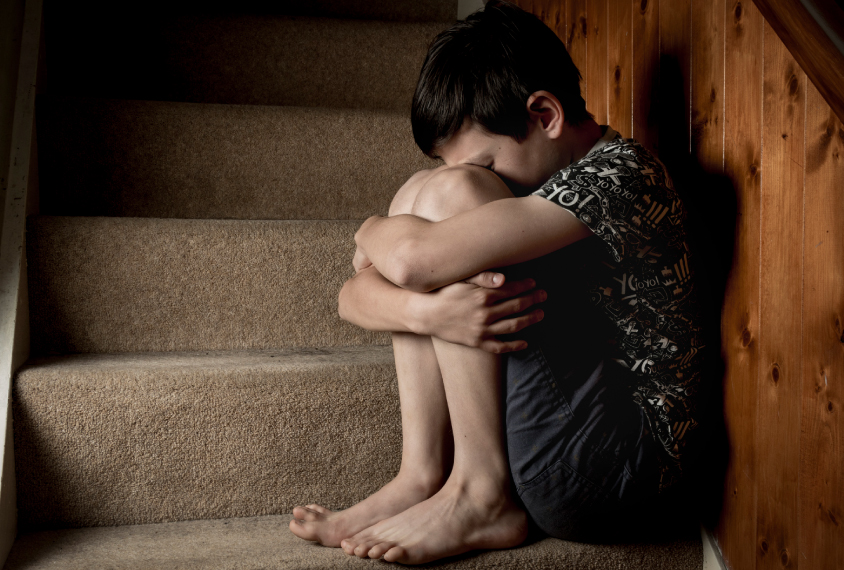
[(541, 315), (543, 295), (496, 279)]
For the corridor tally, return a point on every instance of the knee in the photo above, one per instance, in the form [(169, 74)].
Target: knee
[(458, 189)]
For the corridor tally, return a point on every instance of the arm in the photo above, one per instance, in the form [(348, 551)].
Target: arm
[(469, 313), (421, 256)]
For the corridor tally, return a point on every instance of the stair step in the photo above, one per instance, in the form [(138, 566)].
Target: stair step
[(145, 284), (265, 543), (112, 439), (184, 160), (243, 59)]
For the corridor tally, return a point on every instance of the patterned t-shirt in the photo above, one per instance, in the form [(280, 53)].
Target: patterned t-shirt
[(625, 196)]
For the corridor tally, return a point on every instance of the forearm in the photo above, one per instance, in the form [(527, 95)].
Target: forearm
[(370, 301)]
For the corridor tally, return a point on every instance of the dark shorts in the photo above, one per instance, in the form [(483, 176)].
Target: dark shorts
[(581, 459)]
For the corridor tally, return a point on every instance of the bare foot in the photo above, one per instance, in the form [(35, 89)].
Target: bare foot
[(313, 522), (461, 517)]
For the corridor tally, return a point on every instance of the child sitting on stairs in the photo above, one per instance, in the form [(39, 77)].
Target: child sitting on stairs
[(578, 425)]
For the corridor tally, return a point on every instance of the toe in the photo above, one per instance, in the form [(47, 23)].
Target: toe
[(309, 515), (348, 547), (379, 550), (396, 554), (319, 509)]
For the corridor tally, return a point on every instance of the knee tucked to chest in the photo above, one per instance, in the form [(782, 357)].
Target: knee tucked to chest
[(458, 189)]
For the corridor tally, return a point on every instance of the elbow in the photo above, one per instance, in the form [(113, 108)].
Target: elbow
[(406, 267)]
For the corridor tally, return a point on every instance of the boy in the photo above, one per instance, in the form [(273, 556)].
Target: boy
[(584, 420)]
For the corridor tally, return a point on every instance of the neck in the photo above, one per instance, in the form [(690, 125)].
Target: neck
[(579, 141)]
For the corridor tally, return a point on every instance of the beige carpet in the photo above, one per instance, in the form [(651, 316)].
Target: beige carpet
[(183, 160), (265, 543), (144, 284), (235, 151), (140, 438)]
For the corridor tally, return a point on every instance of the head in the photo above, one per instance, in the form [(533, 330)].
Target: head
[(496, 73)]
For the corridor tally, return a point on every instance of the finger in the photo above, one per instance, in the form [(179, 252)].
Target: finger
[(487, 279), (510, 326), (498, 347), (512, 289), (517, 305)]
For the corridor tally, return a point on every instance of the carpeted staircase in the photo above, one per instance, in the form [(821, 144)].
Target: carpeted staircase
[(202, 174)]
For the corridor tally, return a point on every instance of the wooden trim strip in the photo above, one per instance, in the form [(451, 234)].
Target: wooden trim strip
[(11, 256), (810, 46)]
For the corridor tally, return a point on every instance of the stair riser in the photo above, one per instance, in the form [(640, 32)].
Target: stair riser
[(170, 160), (255, 60), (105, 446), (129, 284)]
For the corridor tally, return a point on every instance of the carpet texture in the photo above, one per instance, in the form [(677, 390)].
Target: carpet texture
[(203, 169), (141, 438), (136, 284), (265, 543), (182, 160), (249, 59)]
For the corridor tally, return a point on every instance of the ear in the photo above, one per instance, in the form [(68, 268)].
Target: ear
[(546, 111)]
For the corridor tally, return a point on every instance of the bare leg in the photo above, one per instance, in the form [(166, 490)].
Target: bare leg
[(427, 444), (474, 509)]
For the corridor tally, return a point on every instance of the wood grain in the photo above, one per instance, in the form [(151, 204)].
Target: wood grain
[(620, 66), (596, 59), (645, 14), (675, 18), (576, 34), (822, 433), (780, 343), (740, 327), (707, 91), (812, 48)]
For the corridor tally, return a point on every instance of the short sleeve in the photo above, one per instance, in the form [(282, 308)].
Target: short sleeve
[(621, 192)]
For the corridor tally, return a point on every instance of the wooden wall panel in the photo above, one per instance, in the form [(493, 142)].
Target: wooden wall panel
[(711, 79), (596, 59), (780, 344), (576, 34), (822, 434), (707, 90), (645, 79), (740, 327), (620, 66)]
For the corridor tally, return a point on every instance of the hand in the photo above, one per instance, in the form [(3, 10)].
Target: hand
[(360, 261), (474, 311)]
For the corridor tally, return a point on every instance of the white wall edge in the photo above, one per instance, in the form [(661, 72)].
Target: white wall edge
[(12, 255), (712, 559)]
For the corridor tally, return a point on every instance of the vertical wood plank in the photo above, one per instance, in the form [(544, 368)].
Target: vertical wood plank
[(645, 71), (675, 18), (596, 59), (620, 66), (707, 91), (780, 345), (576, 34), (551, 12), (822, 433), (740, 330)]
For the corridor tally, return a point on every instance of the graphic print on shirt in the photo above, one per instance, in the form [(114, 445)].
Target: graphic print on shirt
[(624, 195)]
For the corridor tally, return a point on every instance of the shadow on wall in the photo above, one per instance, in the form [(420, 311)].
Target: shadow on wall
[(711, 202)]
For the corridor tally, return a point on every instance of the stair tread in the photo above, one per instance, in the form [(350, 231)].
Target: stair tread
[(108, 439), (147, 284), (266, 543), (101, 157), (245, 59)]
